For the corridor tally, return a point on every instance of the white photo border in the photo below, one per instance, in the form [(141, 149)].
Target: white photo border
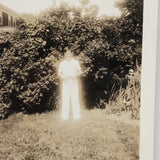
[(157, 96), (150, 25)]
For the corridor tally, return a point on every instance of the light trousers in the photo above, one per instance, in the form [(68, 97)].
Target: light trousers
[(70, 97)]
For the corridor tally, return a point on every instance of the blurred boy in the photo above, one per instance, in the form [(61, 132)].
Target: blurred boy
[(69, 70)]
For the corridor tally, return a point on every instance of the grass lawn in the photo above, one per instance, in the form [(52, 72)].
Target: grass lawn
[(96, 136)]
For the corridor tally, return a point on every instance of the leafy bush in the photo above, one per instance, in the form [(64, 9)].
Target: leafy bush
[(28, 74), (106, 48), (128, 99)]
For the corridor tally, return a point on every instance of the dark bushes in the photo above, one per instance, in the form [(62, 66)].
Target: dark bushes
[(28, 75), (106, 48)]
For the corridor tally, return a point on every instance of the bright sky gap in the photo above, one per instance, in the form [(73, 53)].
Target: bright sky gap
[(106, 7)]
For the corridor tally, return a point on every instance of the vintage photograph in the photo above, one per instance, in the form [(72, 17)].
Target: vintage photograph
[(70, 79)]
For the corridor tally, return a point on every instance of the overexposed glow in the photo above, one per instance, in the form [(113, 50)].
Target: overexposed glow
[(106, 7), (69, 69), (27, 6)]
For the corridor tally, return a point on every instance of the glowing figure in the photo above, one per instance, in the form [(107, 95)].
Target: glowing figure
[(69, 70)]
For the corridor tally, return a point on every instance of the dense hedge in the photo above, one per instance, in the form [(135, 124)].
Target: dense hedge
[(106, 49), (28, 77)]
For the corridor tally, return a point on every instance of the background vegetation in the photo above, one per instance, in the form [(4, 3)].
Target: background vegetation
[(108, 49)]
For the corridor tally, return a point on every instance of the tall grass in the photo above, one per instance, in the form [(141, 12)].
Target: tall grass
[(128, 99)]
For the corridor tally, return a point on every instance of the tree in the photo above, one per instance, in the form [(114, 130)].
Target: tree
[(106, 48), (132, 17)]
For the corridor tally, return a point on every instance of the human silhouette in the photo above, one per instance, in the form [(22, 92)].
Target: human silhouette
[(69, 70)]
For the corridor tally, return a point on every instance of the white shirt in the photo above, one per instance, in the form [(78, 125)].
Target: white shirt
[(69, 68)]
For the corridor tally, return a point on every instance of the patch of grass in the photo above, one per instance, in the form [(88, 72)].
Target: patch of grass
[(96, 136), (127, 99)]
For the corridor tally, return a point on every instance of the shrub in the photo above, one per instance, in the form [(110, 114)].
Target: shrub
[(30, 56), (128, 99), (28, 74)]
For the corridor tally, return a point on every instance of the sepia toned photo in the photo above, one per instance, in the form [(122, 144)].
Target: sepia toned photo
[(70, 79)]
